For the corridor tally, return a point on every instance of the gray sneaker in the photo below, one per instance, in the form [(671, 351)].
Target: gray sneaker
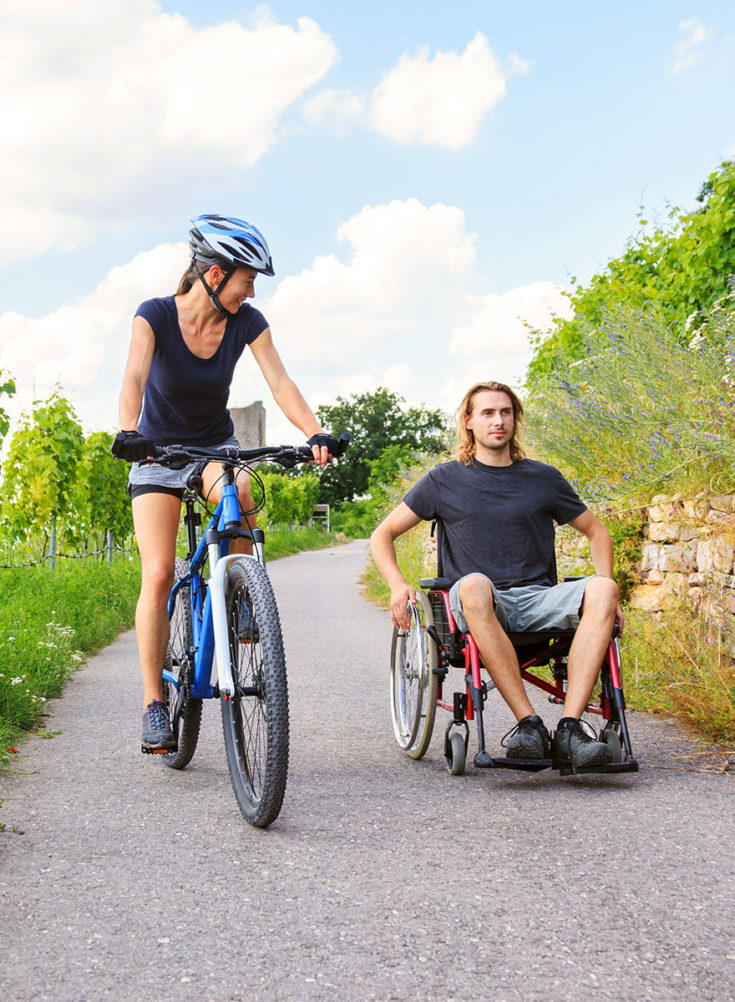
[(573, 747), (157, 733), (528, 739)]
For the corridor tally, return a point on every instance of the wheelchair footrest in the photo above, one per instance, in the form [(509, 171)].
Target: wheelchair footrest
[(525, 764), (630, 765)]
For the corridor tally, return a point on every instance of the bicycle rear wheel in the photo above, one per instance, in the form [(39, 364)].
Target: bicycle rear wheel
[(255, 717), (185, 713)]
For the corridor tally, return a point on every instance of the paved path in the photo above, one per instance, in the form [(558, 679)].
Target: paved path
[(382, 879)]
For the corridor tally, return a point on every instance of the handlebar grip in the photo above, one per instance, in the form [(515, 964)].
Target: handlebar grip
[(344, 441)]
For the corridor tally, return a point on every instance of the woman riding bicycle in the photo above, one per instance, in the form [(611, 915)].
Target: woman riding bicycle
[(182, 356)]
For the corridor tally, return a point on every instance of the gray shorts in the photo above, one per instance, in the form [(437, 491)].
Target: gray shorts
[(531, 608), (153, 476)]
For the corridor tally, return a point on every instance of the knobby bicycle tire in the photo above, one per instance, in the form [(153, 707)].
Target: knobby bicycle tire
[(185, 712), (255, 717)]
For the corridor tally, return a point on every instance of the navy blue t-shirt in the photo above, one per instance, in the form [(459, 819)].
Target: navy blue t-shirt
[(497, 520), (185, 399)]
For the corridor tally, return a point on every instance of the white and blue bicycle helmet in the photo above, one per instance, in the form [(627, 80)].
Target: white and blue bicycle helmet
[(232, 244), (214, 239)]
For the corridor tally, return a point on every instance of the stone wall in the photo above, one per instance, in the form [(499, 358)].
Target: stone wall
[(249, 425), (689, 555)]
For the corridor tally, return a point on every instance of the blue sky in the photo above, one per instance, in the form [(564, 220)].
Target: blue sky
[(427, 175)]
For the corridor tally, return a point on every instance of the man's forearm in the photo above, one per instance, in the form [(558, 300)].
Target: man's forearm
[(383, 550), (601, 551)]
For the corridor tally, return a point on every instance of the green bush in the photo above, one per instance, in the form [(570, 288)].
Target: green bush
[(357, 519), (676, 273), (288, 500)]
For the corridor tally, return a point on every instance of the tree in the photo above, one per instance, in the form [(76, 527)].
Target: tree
[(384, 432), (675, 273)]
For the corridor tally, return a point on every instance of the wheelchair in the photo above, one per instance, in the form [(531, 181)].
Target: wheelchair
[(421, 660)]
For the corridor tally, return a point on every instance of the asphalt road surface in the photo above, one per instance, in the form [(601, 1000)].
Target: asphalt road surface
[(382, 879)]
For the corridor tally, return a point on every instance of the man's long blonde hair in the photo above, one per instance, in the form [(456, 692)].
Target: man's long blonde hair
[(465, 438)]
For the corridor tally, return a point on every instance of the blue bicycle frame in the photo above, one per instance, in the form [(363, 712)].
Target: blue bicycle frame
[(209, 614)]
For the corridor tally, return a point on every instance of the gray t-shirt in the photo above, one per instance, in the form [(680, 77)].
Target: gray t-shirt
[(496, 520)]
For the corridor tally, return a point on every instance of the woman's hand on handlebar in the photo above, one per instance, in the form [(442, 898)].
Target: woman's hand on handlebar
[(131, 445), (325, 447)]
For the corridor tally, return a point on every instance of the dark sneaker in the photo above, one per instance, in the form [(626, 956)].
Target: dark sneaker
[(247, 628), (157, 733), (574, 747), (528, 739)]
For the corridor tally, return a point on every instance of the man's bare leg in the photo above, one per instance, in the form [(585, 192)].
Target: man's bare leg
[(590, 643), (496, 650)]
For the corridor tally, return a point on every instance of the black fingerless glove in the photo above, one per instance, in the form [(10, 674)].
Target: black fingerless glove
[(131, 445), (331, 443)]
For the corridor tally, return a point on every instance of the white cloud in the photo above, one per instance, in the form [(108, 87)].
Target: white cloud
[(494, 342), (400, 312), (434, 101), (398, 309), (106, 109), (82, 345), (439, 101), (404, 258), (337, 108), (686, 56)]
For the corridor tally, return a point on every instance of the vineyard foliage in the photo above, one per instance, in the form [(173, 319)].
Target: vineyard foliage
[(55, 477)]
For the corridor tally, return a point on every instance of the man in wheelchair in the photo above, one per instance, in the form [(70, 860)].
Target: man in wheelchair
[(497, 510)]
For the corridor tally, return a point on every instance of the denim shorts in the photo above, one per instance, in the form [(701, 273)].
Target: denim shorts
[(149, 478), (531, 608)]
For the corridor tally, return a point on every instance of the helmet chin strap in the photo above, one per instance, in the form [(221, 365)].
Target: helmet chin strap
[(213, 297)]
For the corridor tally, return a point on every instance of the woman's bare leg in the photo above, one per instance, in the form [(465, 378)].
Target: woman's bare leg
[(156, 521), (212, 492)]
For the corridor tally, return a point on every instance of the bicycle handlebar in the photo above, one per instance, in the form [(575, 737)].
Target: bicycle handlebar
[(285, 455)]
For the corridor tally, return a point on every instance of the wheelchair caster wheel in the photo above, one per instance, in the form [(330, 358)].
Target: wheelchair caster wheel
[(613, 742), (456, 754)]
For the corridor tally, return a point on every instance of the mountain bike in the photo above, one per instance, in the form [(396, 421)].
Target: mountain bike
[(231, 619)]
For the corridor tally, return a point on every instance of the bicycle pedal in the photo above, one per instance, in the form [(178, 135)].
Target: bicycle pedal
[(148, 750)]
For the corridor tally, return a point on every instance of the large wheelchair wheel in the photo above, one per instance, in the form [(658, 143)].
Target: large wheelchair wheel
[(413, 682)]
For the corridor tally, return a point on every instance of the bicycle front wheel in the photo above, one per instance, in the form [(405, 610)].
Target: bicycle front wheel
[(185, 713), (255, 717)]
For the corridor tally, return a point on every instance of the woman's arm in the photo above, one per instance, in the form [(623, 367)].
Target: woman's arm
[(285, 392), (137, 370)]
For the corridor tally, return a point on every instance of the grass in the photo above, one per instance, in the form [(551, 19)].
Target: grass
[(677, 664), (51, 621), (282, 541)]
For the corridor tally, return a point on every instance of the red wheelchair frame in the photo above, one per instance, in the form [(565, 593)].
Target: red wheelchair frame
[(420, 663)]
